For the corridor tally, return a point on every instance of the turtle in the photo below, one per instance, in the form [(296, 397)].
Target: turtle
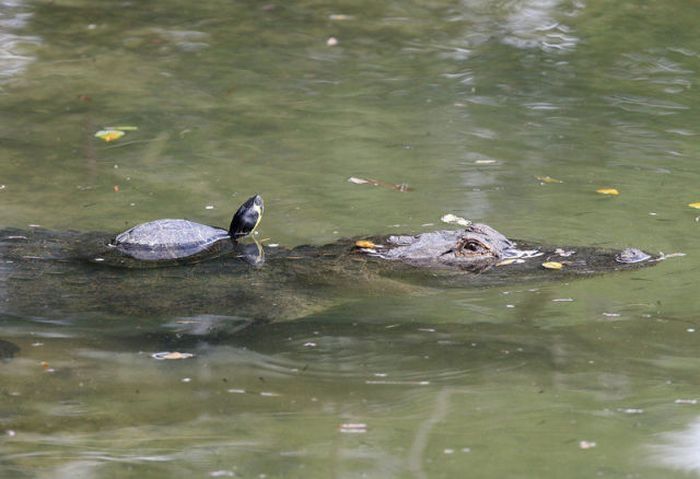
[(178, 239)]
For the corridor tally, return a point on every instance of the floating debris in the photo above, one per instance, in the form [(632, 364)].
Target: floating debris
[(222, 473), (510, 261), (122, 128), (109, 135), (340, 17), (631, 410), (358, 181), (607, 191), (364, 244), (45, 366), (586, 444), (332, 41), (563, 300), (353, 428), (402, 187), (686, 401), (663, 256), (552, 265), (455, 220), (112, 133), (548, 179), (168, 355), (695, 205)]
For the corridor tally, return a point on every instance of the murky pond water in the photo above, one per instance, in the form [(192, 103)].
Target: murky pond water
[(467, 103)]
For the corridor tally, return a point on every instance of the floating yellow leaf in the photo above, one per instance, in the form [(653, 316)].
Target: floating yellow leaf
[(552, 265), (548, 179), (695, 205), (109, 135), (607, 191), (364, 244)]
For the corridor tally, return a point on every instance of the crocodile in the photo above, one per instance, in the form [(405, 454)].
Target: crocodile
[(63, 274)]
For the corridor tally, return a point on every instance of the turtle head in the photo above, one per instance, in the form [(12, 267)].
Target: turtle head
[(247, 217)]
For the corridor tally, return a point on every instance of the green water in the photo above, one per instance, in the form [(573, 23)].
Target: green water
[(466, 102)]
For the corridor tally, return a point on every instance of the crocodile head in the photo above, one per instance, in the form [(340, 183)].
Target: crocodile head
[(476, 247)]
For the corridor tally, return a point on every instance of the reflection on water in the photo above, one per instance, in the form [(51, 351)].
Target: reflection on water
[(537, 24), (680, 450), (15, 47)]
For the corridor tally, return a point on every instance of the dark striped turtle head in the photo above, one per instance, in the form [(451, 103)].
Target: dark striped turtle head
[(247, 217)]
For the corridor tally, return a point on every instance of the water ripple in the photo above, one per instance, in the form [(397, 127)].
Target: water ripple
[(533, 24), (13, 57), (643, 104)]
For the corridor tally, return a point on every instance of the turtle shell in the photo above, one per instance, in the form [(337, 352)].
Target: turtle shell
[(168, 239)]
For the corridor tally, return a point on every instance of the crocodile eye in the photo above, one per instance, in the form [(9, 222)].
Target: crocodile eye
[(470, 247)]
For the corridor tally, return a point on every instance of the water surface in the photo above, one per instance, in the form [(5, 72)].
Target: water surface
[(466, 102)]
